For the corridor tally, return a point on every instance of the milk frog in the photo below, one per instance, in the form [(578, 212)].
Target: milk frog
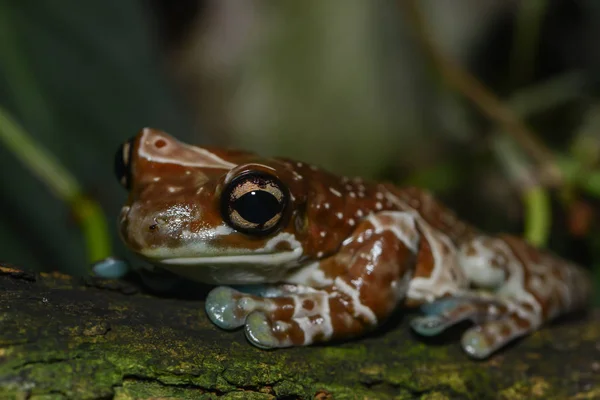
[(329, 257)]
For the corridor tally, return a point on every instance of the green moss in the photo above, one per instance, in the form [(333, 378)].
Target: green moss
[(241, 395), (290, 389), (434, 396), (95, 343)]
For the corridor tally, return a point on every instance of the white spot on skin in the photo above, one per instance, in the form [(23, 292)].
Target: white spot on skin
[(188, 172), (339, 215), (320, 254), (299, 164), (352, 194), (378, 205), (326, 205), (323, 234), (297, 176), (156, 179), (335, 192), (281, 326), (359, 213), (379, 196), (351, 222)]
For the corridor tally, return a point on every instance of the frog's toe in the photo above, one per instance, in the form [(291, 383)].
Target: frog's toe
[(227, 308), (111, 268), (441, 306), (259, 332), (430, 325), (442, 314), (475, 343), (482, 340)]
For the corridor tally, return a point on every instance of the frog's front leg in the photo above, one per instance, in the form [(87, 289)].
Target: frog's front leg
[(517, 288), (339, 297)]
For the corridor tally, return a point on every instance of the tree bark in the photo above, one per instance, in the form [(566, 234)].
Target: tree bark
[(64, 337)]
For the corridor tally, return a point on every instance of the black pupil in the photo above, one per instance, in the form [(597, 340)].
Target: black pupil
[(257, 207)]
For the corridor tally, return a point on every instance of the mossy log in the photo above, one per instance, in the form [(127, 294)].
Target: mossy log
[(69, 338)]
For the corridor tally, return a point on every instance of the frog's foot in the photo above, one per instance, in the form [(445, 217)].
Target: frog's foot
[(261, 332), (228, 308), (484, 339), (496, 322), (111, 268), (297, 320), (299, 316), (446, 312)]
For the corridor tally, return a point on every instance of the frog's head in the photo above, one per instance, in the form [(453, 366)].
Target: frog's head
[(211, 215)]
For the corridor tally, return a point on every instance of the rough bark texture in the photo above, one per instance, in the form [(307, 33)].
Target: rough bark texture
[(62, 337)]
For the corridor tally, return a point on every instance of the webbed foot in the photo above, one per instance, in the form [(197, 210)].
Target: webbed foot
[(271, 322), (228, 308), (497, 322)]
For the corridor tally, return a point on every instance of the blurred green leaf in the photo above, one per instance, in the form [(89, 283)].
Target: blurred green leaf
[(81, 77)]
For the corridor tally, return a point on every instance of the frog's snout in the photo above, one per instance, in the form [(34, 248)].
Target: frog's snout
[(141, 230)]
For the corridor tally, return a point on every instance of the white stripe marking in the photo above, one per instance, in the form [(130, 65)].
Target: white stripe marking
[(184, 154), (359, 307)]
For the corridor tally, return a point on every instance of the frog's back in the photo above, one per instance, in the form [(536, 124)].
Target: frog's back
[(431, 211)]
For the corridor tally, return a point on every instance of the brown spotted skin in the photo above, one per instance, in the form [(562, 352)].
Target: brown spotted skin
[(344, 255)]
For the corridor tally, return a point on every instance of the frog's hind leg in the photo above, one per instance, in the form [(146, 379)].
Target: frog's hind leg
[(497, 322), (516, 289)]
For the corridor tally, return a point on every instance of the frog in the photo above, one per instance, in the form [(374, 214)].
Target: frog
[(330, 258)]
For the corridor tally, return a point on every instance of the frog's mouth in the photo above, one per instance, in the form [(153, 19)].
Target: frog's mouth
[(274, 258), (233, 269), (204, 263)]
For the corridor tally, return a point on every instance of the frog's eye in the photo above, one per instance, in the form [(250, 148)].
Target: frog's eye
[(254, 203), (123, 164)]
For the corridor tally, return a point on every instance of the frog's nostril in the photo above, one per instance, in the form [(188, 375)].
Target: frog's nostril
[(157, 223)]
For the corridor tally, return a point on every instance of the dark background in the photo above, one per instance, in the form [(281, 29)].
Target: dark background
[(347, 84)]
